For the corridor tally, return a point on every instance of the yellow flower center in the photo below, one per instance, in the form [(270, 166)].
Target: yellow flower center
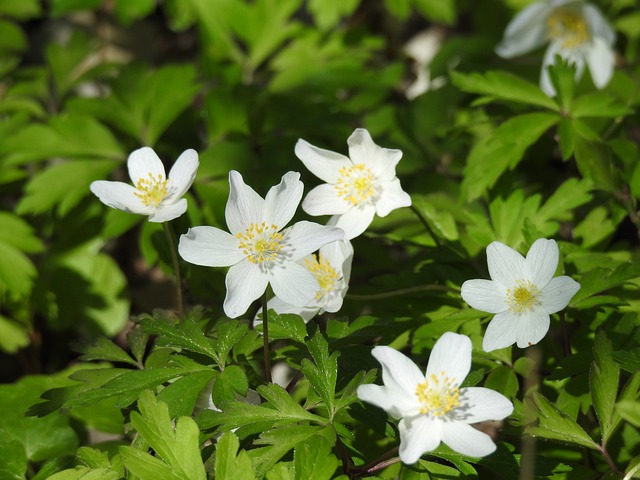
[(355, 184), (261, 242), (151, 190), (523, 297), (438, 395), (324, 273), (569, 26)]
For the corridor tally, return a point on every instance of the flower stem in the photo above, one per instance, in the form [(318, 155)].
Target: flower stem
[(265, 337), (176, 268), (397, 293), (383, 462)]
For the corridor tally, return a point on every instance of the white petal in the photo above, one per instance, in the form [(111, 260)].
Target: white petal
[(324, 200), (119, 195), (392, 401), (505, 264), (391, 196), (598, 25), (282, 200), (451, 354), (481, 404), (601, 62), (307, 237), (541, 262), (339, 254), (355, 221), (381, 161), (467, 440), (532, 327), (324, 164), (545, 80), (501, 332), (182, 174), (244, 206), (485, 295), (557, 294), (525, 32), (399, 372), (142, 162), (245, 283), (417, 436), (294, 284), (168, 211), (209, 247)]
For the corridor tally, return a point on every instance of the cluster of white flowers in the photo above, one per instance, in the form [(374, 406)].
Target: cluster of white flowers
[(261, 250)]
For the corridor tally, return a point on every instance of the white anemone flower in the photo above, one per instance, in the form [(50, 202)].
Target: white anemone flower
[(522, 293), (432, 406), (575, 30), (332, 268), (259, 250), (154, 194), (358, 186)]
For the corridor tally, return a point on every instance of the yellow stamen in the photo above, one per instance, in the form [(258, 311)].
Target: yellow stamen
[(324, 273), (355, 184), (151, 190), (523, 297), (569, 26), (438, 395), (261, 242)]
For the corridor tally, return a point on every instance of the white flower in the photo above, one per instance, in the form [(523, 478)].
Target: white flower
[(357, 187), (332, 268), (422, 49), (575, 30), (432, 406), (154, 194), (522, 293), (258, 250)]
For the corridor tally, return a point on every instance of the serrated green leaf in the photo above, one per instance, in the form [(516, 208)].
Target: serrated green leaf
[(105, 349), (503, 86), (128, 11), (437, 10), (17, 272), (231, 465), (286, 325), (595, 162), (562, 75), (629, 410), (323, 374), (144, 465), (598, 104), (628, 360), (18, 233), (502, 150), (179, 447), (553, 424), (186, 334), (231, 382), (181, 396), (503, 379), (327, 13), (13, 336), (600, 279), (313, 459), (603, 383)]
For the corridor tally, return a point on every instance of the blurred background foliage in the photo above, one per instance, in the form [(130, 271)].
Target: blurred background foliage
[(487, 156)]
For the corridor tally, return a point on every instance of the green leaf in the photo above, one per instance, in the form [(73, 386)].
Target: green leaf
[(13, 461), (508, 216), (181, 396), (323, 373), (432, 208), (628, 360), (63, 185), (595, 161), (12, 335), (562, 75), (437, 10), (104, 349), (503, 379), (231, 465), (144, 465), (603, 383), (554, 424), (126, 386), (68, 136), (286, 325), (280, 409), (18, 233), (629, 410), (600, 279), (186, 334), (20, 9), (128, 11), (179, 447), (502, 150), (503, 86), (327, 13), (598, 104), (17, 272), (62, 7), (313, 459), (231, 382)]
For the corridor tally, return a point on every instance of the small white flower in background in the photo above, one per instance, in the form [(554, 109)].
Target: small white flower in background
[(432, 406), (522, 293), (575, 30), (153, 194), (332, 268), (358, 186), (258, 249), (422, 49)]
